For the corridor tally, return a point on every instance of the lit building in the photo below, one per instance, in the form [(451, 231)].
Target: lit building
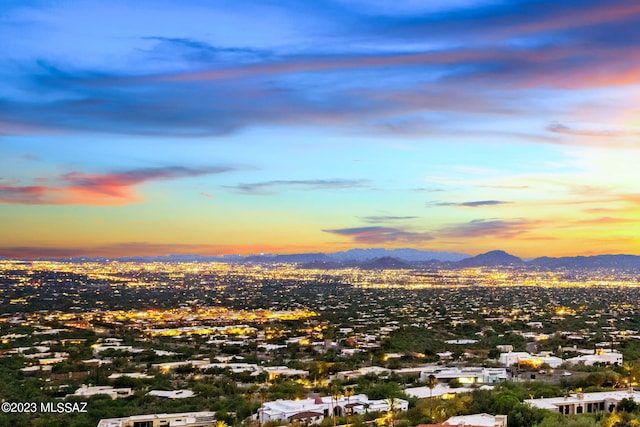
[(185, 419), (601, 356), (466, 375), (513, 357), (313, 411), (282, 371), (524, 358), (583, 403)]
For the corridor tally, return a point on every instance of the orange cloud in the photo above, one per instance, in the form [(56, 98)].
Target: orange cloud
[(78, 188)]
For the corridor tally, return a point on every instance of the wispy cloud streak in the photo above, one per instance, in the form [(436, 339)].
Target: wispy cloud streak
[(386, 218), (203, 89), (270, 187), (472, 204), (78, 188), (379, 235), (488, 228)]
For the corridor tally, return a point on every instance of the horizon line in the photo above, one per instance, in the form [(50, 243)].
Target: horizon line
[(275, 254)]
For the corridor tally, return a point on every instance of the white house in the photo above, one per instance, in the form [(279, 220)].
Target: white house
[(440, 390), (513, 357), (552, 361), (168, 366), (366, 370), (184, 419), (283, 371), (135, 375), (172, 394), (478, 420), (99, 348), (313, 411), (581, 403), (471, 375), (522, 357), (114, 393), (606, 357)]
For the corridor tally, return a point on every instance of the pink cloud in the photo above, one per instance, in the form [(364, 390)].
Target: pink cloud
[(78, 188), (379, 235)]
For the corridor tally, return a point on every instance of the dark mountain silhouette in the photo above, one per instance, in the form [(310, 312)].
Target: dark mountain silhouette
[(405, 254), (356, 257), (489, 259), (378, 258)]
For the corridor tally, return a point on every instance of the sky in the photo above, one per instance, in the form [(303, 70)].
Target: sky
[(156, 127)]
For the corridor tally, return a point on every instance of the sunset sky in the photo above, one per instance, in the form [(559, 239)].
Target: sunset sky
[(155, 127)]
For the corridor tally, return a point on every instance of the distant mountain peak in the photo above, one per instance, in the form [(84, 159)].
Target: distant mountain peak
[(380, 258), (490, 259), (404, 254), (497, 252)]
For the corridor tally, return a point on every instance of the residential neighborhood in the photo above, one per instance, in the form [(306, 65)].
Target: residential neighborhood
[(281, 345)]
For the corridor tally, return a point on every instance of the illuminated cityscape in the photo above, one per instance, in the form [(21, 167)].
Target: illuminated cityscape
[(190, 335)]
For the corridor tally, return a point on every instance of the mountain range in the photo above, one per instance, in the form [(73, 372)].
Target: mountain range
[(378, 258)]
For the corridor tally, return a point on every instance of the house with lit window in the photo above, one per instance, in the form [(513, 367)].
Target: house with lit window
[(314, 410), (184, 419), (600, 356), (468, 375), (585, 403), (534, 361)]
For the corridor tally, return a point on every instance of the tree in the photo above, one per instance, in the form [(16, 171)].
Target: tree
[(455, 383), (393, 404), (431, 382), (627, 405), (523, 415), (505, 403), (460, 404)]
